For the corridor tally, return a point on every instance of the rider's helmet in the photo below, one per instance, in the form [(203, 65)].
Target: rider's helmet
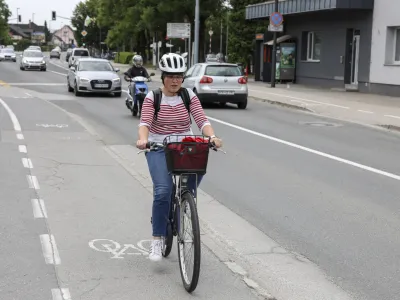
[(137, 61), (220, 57), (171, 63)]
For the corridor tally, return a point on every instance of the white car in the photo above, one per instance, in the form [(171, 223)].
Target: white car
[(34, 48), (93, 75), (76, 54), (33, 60), (7, 54), (218, 82)]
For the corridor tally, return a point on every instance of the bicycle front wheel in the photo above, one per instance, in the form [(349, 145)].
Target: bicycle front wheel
[(189, 248)]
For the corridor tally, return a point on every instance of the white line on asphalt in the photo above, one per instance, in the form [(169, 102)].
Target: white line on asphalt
[(58, 66), (57, 73), (391, 116), (22, 149), (29, 95), (27, 163), (301, 99), (20, 136), (33, 182), (61, 294), (13, 117), (39, 210), (35, 84), (365, 111), (326, 155), (49, 248)]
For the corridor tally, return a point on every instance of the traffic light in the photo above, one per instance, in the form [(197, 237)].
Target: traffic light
[(53, 15), (19, 18)]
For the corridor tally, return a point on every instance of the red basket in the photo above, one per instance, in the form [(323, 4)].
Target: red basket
[(188, 156)]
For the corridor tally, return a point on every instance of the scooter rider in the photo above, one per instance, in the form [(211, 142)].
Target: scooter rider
[(136, 70)]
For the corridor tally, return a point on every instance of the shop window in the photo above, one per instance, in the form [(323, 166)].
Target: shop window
[(311, 46), (392, 53)]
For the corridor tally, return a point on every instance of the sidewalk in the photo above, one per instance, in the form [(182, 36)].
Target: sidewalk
[(358, 107)]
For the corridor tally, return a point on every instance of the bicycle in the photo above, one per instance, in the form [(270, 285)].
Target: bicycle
[(184, 158)]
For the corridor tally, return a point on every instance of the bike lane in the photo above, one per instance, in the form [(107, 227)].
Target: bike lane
[(99, 216)]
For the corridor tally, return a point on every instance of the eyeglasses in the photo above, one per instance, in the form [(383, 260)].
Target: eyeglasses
[(176, 77)]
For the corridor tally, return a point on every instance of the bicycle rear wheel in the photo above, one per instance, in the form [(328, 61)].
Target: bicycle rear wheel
[(189, 239)]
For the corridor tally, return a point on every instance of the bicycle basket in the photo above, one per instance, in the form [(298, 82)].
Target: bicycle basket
[(188, 156)]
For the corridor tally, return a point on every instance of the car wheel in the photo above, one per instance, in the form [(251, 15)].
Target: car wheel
[(70, 89), (222, 104), (22, 68), (43, 70), (77, 93), (118, 94), (242, 105)]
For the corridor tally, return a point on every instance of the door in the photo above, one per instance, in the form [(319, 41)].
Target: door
[(261, 60), (355, 57)]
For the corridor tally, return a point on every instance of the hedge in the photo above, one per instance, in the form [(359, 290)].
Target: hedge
[(124, 57)]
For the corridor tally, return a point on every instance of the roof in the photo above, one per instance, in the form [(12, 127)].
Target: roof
[(218, 64), (94, 59), (17, 31), (30, 26)]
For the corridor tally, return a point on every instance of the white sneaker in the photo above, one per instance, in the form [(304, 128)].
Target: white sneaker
[(156, 250)]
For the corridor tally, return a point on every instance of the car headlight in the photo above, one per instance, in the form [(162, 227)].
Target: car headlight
[(43, 62), (116, 80), (84, 80)]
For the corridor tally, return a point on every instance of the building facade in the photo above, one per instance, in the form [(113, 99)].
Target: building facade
[(64, 37), (385, 52), (332, 40), (30, 31)]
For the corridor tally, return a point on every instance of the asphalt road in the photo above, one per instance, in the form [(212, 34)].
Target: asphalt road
[(338, 207)]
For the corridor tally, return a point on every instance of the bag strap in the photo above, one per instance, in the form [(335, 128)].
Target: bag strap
[(157, 102), (183, 93)]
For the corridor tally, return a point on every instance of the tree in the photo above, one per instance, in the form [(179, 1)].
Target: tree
[(46, 32), (5, 13)]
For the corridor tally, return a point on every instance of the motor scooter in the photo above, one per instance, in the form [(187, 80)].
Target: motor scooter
[(134, 102)]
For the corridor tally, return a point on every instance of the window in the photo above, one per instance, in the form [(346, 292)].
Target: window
[(311, 46), (392, 51), (223, 70)]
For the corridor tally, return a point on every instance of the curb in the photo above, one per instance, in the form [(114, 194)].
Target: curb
[(283, 104)]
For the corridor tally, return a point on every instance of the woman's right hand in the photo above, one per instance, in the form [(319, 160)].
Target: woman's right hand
[(141, 144)]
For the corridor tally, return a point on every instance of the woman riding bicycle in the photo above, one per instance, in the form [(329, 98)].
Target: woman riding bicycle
[(172, 119)]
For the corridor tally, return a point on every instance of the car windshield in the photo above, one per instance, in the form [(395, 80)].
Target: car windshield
[(223, 71), (81, 53), (95, 66), (5, 50), (33, 54)]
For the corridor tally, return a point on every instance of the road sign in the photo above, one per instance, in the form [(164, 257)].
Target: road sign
[(274, 28), (178, 30), (210, 32), (84, 33), (276, 19)]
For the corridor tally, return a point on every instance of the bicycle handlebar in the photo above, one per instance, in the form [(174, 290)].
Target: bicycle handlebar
[(152, 146)]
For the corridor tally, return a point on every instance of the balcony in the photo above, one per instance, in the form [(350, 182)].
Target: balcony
[(288, 7)]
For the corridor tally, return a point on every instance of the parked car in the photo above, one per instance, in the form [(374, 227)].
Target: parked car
[(34, 48), (93, 75), (7, 54), (69, 52), (33, 60), (218, 82), (55, 54), (76, 54)]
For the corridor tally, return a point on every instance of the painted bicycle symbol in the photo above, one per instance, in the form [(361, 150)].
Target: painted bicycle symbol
[(118, 250)]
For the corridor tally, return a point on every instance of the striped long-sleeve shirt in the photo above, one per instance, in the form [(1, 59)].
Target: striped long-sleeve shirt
[(173, 117)]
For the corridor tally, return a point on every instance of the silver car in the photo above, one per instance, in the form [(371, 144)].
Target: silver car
[(7, 54), (218, 82), (33, 60), (93, 75)]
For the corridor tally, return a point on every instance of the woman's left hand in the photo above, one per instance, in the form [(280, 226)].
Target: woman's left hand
[(217, 142)]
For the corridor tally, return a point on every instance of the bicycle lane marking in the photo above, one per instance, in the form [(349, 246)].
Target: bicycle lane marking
[(119, 251), (319, 153)]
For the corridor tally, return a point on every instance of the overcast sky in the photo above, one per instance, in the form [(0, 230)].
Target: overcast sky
[(42, 10)]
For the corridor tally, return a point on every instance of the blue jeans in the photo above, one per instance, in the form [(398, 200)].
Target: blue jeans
[(162, 190)]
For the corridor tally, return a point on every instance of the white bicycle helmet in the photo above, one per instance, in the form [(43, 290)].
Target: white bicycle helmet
[(137, 61), (172, 63)]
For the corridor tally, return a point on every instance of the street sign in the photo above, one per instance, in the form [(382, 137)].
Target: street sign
[(84, 33), (210, 32), (274, 28), (178, 30), (276, 19)]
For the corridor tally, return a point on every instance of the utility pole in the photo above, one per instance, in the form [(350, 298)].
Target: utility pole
[(273, 67), (220, 40), (196, 32)]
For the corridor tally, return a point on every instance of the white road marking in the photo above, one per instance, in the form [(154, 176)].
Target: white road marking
[(22, 149), (52, 125), (27, 163), (33, 182), (39, 209), (391, 116), (13, 117), (326, 155), (58, 66), (20, 136), (57, 73), (118, 250), (366, 111), (301, 99), (49, 248), (61, 294), (29, 95)]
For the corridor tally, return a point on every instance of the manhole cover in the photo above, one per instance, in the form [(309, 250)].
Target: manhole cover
[(320, 124)]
